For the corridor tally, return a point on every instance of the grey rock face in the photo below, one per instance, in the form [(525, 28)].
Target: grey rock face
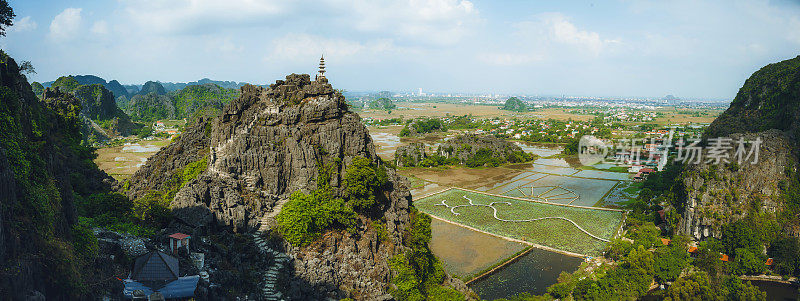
[(465, 146), (411, 153), (718, 195), (267, 144)]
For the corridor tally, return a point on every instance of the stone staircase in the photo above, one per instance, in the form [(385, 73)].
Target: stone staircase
[(280, 261), (272, 276), (268, 221)]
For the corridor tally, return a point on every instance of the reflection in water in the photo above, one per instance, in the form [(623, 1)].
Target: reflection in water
[(390, 140), (137, 148), (539, 150), (531, 273), (777, 291)]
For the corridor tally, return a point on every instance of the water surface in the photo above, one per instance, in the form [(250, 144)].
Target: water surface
[(531, 273)]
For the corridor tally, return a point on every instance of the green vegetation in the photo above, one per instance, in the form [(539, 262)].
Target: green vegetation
[(153, 209), (150, 107), (767, 100), (197, 98), (705, 276), (555, 233), (66, 84), (37, 88), (153, 103), (364, 181), (422, 126), (516, 105), (305, 217), (382, 104), (448, 155), (43, 167), (419, 275), (6, 17)]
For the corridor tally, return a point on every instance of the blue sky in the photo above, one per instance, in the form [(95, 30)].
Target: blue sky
[(692, 49)]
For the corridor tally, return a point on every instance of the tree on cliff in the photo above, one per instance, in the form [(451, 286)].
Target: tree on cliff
[(6, 17)]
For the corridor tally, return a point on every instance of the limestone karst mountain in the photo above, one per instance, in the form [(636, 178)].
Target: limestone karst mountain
[(268, 144), (766, 108), (45, 253), (515, 104)]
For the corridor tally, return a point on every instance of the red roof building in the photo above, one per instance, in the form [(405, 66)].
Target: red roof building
[(177, 241), (665, 241), (724, 257)]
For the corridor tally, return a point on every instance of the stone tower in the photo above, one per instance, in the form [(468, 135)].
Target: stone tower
[(321, 74)]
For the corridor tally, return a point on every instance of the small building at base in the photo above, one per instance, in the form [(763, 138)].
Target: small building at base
[(157, 273), (177, 241)]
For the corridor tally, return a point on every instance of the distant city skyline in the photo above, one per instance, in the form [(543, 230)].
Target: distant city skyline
[(642, 48)]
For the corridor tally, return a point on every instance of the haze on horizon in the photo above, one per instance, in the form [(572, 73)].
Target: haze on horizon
[(691, 49)]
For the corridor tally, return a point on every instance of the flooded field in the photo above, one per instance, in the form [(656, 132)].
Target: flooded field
[(531, 273), (577, 230), (540, 150), (465, 253), (623, 192), (122, 162)]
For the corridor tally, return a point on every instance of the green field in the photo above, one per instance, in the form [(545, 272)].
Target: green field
[(511, 213)]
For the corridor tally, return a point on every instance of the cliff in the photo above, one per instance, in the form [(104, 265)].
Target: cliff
[(102, 116), (265, 145), (43, 170), (769, 99), (767, 107)]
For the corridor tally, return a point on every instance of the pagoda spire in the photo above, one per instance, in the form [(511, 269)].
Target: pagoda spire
[(321, 73)]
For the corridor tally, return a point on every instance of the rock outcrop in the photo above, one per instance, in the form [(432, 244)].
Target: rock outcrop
[(717, 194), (265, 145), (466, 146), (43, 170), (98, 106), (767, 107), (409, 155)]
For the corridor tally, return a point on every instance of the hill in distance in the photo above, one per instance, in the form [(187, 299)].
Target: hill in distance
[(515, 104)]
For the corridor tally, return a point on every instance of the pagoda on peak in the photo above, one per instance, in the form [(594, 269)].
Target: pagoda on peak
[(321, 73)]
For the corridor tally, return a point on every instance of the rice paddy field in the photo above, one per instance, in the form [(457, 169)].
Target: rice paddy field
[(512, 217), (476, 253)]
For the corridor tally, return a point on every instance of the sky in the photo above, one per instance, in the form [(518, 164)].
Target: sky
[(626, 48)]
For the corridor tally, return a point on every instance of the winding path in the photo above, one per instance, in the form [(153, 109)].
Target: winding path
[(491, 205)]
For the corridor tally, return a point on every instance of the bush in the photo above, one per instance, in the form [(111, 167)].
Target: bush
[(364, 182), (145, 132), (84, 241), (418, 274), (305, 216)]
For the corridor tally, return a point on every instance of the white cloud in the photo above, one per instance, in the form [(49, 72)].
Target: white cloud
[(66, 25), (24, 24), (303, 47), (556, 29), (100, 27), (223, 44), (510, 59), (199, 16), (439, 22)]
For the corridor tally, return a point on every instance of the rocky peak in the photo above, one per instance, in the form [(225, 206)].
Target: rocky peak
[(769, 99), (152, 87), (266, 145), (767, 107)]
